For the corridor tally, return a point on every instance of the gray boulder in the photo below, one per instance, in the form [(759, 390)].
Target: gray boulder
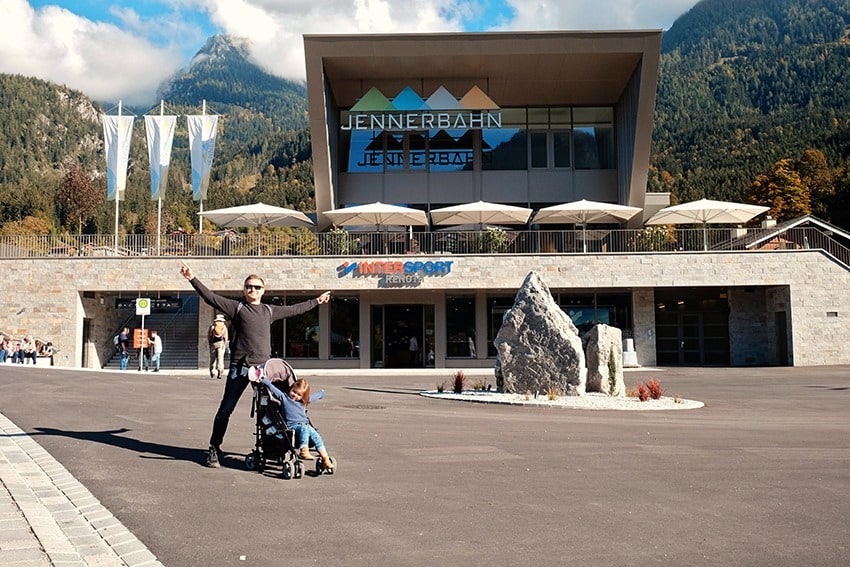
[(605, 374), (538, 346)]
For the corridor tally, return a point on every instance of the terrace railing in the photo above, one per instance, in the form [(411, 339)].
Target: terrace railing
[(343, 243)]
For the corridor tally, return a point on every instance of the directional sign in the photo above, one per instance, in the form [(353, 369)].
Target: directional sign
[(143, 306)]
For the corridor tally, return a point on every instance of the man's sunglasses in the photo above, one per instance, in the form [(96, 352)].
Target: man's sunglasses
[(254, 287)]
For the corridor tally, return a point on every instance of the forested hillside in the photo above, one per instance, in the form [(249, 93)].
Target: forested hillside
[(262, 151), (746, 84), (752, 105)]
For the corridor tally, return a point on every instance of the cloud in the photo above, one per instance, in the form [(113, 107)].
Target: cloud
[(595, 15), (275, 28), (128, 59), (102, 60)]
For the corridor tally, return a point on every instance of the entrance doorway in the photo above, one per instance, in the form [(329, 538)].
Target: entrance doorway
[(692, 327), (402, 336)]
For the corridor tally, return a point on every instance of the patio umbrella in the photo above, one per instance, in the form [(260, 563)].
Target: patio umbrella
[(706, 211), (378, 214), (480, 213), (256, 215), (585, 212)]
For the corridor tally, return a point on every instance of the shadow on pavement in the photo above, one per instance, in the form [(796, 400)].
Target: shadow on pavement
[(146, 449)]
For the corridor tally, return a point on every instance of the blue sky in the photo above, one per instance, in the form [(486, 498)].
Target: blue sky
[(123, 49)]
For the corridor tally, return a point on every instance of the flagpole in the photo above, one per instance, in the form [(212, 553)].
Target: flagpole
[(201, 200), (159, 200), (117, 193)]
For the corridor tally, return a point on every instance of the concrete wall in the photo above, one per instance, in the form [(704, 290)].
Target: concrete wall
[(817, 299)]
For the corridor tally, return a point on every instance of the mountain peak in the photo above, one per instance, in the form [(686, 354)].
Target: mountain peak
[(223, 47)]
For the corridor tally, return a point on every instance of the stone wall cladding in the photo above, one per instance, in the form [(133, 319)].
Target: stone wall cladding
[(50, 288)]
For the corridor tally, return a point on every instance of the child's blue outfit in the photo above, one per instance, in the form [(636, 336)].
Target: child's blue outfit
[(295, 416)]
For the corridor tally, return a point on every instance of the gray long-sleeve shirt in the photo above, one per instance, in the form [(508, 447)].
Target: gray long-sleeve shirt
[(250, 339)]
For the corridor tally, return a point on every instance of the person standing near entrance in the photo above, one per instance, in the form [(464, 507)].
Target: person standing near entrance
[(250, 343), (414, 349), (154, 351), (124, 347), (217, 337)]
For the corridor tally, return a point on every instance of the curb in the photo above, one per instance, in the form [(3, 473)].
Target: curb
[(48, 518)]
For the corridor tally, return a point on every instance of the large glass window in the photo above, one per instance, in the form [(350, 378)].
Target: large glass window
[(395, 152), (506, 148), (460, 326), (298, 334), (593, 137), (451, 150), (539, 150), (536, 138), (345, 327), (561, 149), (362, 151), (496, 307), (586, 310)]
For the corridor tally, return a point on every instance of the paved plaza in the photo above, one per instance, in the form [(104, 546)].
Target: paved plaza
[(105, 468)]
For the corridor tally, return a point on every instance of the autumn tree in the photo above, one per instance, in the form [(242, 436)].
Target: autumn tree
[(78, 197), (781, 189), (816, 175)]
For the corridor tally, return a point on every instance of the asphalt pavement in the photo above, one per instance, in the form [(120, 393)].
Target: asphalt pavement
[(106, 468)]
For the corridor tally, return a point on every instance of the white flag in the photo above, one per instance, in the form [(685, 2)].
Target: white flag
[(117, 131), (202, 130), (160, 135)]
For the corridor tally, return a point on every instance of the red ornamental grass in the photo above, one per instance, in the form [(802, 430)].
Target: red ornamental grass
[(459, 382), (655, 390), (642, 392)]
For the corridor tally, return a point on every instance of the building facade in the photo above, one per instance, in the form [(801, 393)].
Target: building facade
[(433, 120)]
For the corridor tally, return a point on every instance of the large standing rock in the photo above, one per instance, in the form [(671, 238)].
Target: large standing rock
[(538, 346), (604, 373)]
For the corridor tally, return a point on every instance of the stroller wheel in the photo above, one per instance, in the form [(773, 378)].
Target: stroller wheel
[(320, 467), (299, 470), (251, 461), (287, 471)]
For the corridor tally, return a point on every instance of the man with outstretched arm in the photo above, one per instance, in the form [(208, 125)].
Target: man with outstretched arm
[(250, 341)]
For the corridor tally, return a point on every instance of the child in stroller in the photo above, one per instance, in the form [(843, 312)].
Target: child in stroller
[(283, 426)]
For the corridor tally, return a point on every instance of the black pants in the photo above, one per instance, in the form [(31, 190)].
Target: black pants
[(237, 381)]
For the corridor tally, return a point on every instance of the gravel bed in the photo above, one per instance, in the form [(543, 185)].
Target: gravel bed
[(591, 401)]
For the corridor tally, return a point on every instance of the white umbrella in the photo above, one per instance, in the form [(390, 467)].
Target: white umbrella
[(378, 214), (706, 211), (585, 212), (480, 213), (256, 215)]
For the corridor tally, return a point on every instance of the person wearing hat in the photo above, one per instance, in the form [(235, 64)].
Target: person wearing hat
[(217, 338)]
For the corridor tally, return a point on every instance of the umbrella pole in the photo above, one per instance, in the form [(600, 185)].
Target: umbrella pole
[(584, 237), (704, 237)]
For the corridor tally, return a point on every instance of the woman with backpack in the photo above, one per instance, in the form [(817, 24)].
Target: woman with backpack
[(217, 338)]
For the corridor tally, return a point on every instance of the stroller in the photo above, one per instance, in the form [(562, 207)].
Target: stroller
[(274, 442)]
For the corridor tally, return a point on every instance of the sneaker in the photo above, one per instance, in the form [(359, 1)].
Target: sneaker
[(327, 463), (305, 454), (212, 457)]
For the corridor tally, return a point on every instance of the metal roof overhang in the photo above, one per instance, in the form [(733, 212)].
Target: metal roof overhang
[(513, 69)]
